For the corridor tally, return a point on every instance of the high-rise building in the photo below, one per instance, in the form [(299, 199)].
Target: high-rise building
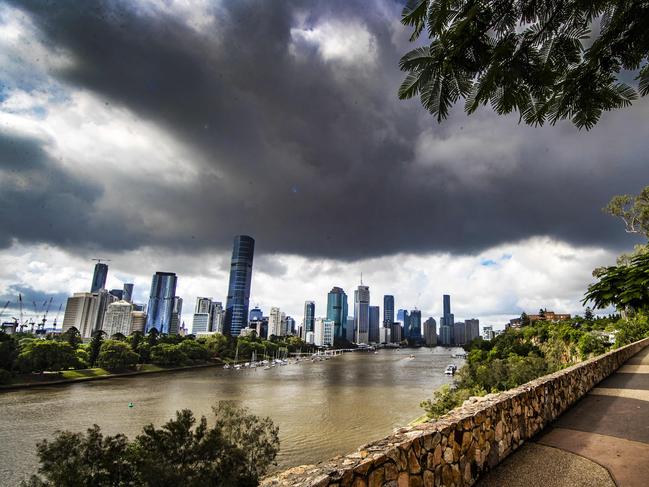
[(406, 324), (236, 306), (472, 329), (176, 316), (255, 314), (349, 329), (337, 311), (200, 323), (203, 305), (323, 335), (459, 333), (447, 319), (275, 322), (445, 335), (118, 318), (400, 314), (396, 334), (374, 325), (361, 314), (388, 310), (488, 333), (127, 293), (290, 326), (138, 320), (430, 332), (309, 317), (414, 324), (85, 312), (99, 277), (118, 293), (217, 316), (161, 302)]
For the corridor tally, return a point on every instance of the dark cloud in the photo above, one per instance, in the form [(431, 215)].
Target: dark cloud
[(314, 156)]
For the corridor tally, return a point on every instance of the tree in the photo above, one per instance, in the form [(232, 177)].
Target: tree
[(116, 355), (8, 351), (525, 320), (537, 58), (632, 210), (152, 337), (41, 355), (168, 355), (118, 336), (72, 336), (95, 346), (236, 451), (588, 314), (624, 286), (135, 340), (194, 350)]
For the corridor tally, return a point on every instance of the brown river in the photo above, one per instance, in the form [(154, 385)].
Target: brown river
[(322, 409)]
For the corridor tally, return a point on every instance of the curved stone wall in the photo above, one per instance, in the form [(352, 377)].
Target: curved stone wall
[(462, 445)]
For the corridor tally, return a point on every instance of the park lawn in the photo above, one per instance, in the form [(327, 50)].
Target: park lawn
[(79, 373)]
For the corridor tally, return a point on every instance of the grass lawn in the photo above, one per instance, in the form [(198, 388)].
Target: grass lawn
[(77, 374)]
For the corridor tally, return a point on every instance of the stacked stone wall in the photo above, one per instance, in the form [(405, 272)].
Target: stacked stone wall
[(458, 448)]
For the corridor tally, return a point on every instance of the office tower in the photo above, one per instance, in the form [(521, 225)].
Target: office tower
[(414, 323), (448, 316), (200, 323), (445, 335), (138, 320), (430, 332), (472, 329), (384, 334), (488, 332), (255, 314), (203, 305), (374, 324), (99, 277), (118, 293), (349, 329), (388, 310), (290, 326), (217, 316), (85, 312), (337, 311), (176, 316), (406, 325), (118, 318), (275, 322), (362, 314), (237, 303), (309, 317), (459, 333), (323, 335), (161, 302), (400, 314), (396, 334), (127, 292)]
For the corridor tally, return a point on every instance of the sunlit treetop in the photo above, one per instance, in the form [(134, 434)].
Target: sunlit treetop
[(547, 60)]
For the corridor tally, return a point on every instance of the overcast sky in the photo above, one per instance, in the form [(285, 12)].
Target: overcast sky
[(151, 132)]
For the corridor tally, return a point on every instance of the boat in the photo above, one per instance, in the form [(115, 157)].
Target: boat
[(450, 369), (412, 357), (226, 366)]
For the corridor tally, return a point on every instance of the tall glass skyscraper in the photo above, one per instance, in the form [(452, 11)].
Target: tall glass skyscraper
[(127, 295), (309, 317), (256, 314), (337, 311), (99, 277), (362, 314), (388, 310), (238, 301), (161, 302), (375, 317), (406, 324), (414, 322)]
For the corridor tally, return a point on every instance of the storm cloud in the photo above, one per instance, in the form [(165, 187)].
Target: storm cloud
[(294, 135)]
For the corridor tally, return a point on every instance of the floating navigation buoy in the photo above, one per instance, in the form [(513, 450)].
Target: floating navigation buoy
[(130, 404)]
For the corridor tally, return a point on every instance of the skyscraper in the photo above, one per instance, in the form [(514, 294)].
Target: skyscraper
[(85, 312), (275, 322), (161, 302), (118, 318), (99, 277), (472, 329), (447, 320), (337, 311), (388, 310), (176, 316), (361, 314), (375, 316), (127, 294), (256, 314), (236, 306), (430, 332), (309, 317), (414, 322), (406, 325)]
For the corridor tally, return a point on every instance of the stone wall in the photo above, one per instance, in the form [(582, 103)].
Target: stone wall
[(462, 445)]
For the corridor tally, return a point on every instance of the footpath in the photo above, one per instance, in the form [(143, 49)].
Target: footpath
[(603, 440)]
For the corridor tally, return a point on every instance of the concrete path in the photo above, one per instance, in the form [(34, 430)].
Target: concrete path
[(607, 428)]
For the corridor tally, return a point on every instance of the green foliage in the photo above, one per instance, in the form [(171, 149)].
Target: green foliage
[(72, 336), (622, 286), (592, 344), (631, 330), (194, 351), (5, 377), (632, 210), (40, 355), (445, 399), (236, 451), (534, 58), (8, 351), (116, 355), (167, 354), (95, 346)]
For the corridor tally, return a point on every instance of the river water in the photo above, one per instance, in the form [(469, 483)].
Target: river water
[(322, 409)]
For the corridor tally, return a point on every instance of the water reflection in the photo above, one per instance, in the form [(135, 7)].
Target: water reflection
[(322, 408)]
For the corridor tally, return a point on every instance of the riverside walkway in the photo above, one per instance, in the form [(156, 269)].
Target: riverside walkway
[(603, 440)]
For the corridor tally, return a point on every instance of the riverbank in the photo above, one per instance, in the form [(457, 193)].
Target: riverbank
[(84, 375)]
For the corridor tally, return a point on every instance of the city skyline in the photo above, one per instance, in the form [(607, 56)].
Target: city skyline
[(480, 215)]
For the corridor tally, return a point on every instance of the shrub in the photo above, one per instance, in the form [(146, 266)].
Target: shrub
[(116, 355)]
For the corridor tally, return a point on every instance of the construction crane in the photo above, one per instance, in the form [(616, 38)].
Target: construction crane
[(41, 325), (56, 318)]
